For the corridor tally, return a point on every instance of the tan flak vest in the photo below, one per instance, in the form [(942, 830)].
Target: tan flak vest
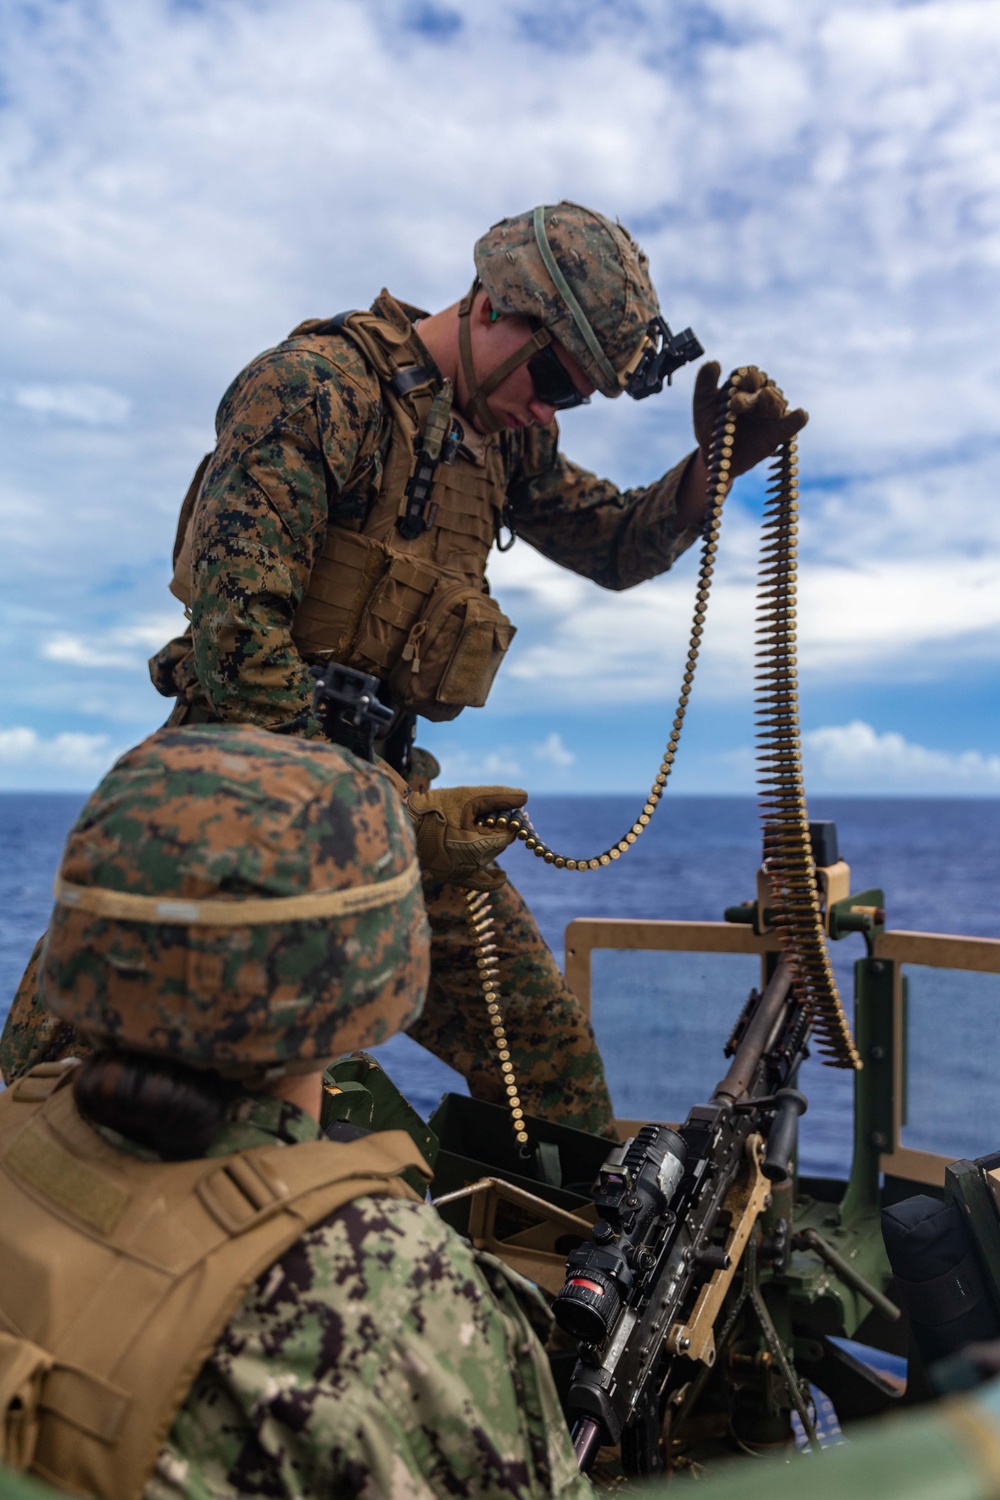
[(118, 1275), (415, 612)]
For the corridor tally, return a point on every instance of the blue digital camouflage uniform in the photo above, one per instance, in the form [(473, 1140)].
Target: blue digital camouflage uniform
[(381, 1357), (300, 444)]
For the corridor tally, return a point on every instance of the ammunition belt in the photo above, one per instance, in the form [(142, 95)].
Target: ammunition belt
[(797, 916)]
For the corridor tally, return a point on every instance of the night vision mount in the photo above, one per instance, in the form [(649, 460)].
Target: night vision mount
[(667, 353)]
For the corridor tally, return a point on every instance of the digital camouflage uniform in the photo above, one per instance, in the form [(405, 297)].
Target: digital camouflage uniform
[(300, 441), (299, 445), (31, 1033), (225, 808), (381, 1356), (378, 1355)]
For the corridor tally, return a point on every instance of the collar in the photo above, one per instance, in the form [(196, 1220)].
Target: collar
[(252, 1120), (257, 1119)]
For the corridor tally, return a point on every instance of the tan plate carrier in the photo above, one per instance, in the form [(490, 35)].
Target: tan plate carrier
[(416, 612), (117, 1275)]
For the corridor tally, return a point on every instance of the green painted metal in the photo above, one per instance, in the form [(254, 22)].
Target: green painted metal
[(845, 917), (920, 1456), (874, 1086), (358, 1090)]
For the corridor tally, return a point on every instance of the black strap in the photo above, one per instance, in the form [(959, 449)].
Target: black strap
[(407, 380), (334, 324), (501, 518)]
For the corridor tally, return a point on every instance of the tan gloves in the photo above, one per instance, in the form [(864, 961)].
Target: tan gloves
[(449, 845), (763, 421)]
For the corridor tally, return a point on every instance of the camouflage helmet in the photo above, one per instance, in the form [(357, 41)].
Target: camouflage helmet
[(239, 901), (584, 279)]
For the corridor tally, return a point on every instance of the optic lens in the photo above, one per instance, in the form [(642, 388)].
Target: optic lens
[(587, 1306)]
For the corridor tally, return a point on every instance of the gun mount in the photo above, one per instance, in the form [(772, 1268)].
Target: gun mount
[(707, 1283)]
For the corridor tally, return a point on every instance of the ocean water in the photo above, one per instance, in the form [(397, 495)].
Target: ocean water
[(662, 1019)]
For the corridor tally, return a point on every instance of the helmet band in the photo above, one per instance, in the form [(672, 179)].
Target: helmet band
[(565, 291), (239, 911)]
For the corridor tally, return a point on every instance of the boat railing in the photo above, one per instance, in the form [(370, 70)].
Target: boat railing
[(881, 1016)]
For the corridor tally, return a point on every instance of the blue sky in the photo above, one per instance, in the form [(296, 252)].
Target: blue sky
[(817, 187)]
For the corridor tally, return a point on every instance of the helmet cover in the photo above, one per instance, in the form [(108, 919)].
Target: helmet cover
[(254, 935), (606, 271)]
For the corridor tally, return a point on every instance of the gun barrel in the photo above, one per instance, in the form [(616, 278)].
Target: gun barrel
[(756, 1038), (588, 1435)]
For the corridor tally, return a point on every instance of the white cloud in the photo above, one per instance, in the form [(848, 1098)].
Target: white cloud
[(857, 618), (854, 757), (500, 766), (68, 759), (554, 752), (124, 646), (94, 405), (857, 759), (816, 183), (76, 652)]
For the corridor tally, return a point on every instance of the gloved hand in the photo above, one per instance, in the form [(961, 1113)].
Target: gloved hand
[(449, 845), (763, 421)]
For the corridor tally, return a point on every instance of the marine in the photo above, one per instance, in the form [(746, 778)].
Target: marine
[(198, 1294), (363, 471)]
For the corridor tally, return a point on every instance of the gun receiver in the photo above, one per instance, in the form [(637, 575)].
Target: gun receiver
[(679, 1209)]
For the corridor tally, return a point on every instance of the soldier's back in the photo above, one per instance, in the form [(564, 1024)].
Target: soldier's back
[(380, 1355)]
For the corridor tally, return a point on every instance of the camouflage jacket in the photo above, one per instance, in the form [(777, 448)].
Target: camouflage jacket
[(381, 1356), (301, 445)]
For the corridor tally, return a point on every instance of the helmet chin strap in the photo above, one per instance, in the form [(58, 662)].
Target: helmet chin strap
[(478, 392)]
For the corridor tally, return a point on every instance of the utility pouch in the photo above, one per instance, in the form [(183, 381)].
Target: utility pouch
[(344, 575), (435, 640), (451, 654), (23, 1368), (938, 1276)]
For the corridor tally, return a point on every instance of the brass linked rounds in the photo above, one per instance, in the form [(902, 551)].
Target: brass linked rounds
[(783, 807), (479, 914), (788, 857), (719, 466)]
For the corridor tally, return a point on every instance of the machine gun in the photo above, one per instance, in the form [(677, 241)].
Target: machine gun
[(680, 1213), (716, 1293)]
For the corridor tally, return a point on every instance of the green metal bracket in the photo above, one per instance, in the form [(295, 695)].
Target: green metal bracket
[(874, 1085), (862, 912), (343, 1099)]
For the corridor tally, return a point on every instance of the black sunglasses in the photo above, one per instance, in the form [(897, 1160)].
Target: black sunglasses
[(553, 382)]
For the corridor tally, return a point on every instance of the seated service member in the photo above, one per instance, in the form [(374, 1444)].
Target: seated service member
[(198, 1295), (363, 471)]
